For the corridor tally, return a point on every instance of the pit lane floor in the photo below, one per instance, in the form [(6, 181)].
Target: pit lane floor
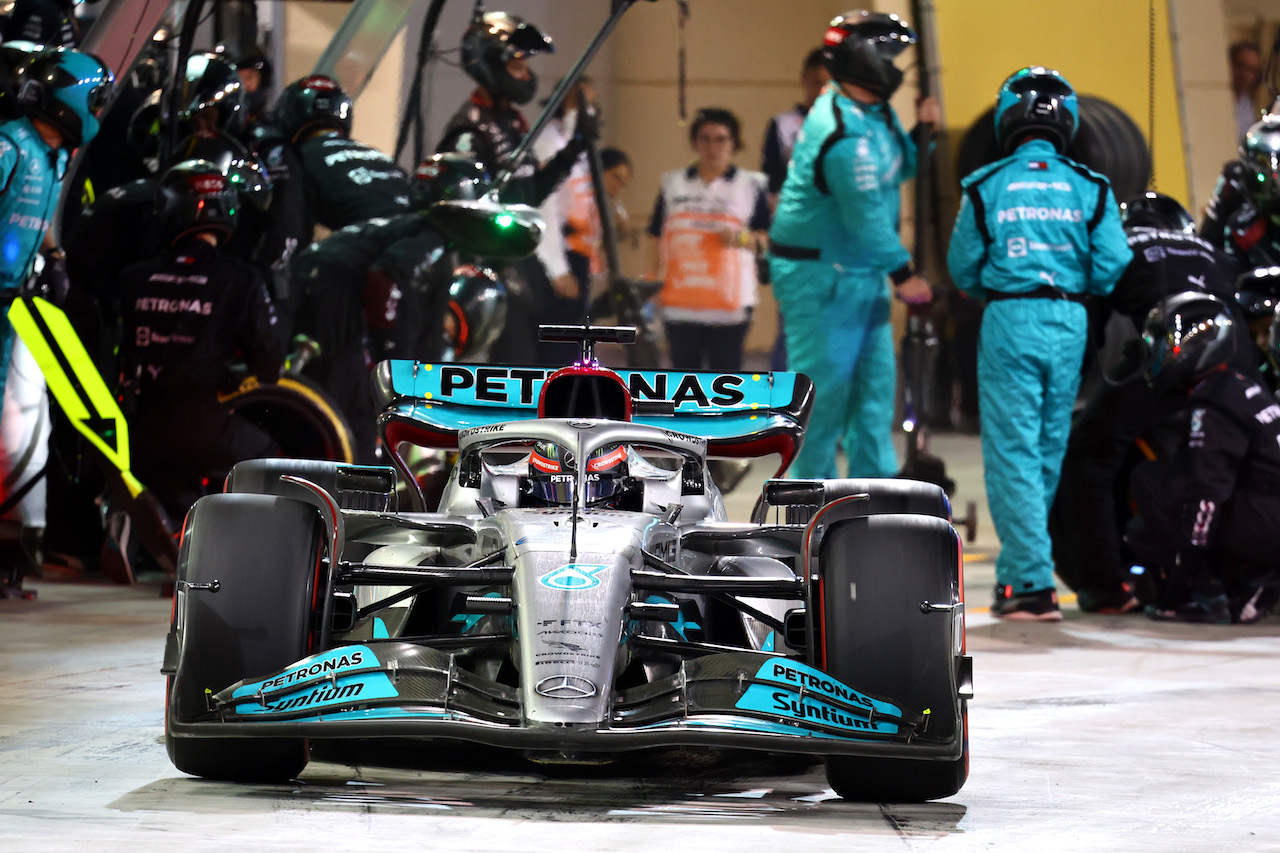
[(1101, 733)]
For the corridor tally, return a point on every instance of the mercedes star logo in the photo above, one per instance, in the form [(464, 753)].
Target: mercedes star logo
[(565, 687)]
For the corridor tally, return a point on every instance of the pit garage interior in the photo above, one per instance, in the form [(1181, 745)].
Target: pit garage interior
[(1096, 733)]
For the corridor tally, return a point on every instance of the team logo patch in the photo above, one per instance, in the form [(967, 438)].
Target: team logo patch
[(573, 577)]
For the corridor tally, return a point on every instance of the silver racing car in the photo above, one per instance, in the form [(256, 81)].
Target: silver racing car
[(578, 592)]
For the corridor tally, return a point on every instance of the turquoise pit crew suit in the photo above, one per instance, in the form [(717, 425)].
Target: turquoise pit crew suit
[(62, 89), (1035, 233), (834, 241)]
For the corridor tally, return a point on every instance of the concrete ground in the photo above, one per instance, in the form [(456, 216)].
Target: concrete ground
[(1098, 733)]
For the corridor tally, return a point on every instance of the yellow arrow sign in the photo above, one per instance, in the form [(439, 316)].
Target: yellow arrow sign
[(74, 381)]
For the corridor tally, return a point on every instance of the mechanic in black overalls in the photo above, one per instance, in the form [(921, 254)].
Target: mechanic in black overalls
[(1206, 518), (320, 175), (1120, 407), (47, 22), (1243, 216), (358, 280), (188, 315), (495, 51)]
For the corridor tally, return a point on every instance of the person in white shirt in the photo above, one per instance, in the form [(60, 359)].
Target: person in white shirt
[(708, 224)]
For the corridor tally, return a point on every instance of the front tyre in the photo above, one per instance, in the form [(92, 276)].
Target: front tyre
[(876, 572), (264, 552)]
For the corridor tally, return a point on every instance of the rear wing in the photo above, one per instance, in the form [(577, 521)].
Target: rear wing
[(740, 414)]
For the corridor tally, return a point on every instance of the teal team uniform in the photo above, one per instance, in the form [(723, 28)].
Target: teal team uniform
[(1044, 230), (834, 241)]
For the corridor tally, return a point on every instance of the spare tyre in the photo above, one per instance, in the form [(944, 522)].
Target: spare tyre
[(302, 418), (1108, 142)]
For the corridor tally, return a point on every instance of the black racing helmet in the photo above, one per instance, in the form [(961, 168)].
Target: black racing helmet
[(1273, 342), (1036, 100), (313, 102), (15, 56), (860, 48), (67, 88), (211, 83), (257, 59), (195, 196), (1156, 210), (1258, 292), (494, 39), (235, 161), (1185, 337), (1260, 156), (551, 477), (553, 474), (446, 177), (477, 312), (144, 130)]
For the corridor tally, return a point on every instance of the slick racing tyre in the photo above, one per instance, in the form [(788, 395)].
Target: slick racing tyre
[(302, 418), (876, 635), (265, 553), (1108, 142)]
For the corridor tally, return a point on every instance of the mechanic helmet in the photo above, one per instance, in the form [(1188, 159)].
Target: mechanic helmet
[(477, 311), (14, 58), (236, 162), (143, 132), (67, 88), (1036, 100), (1273, 342), (212, 84), (195, 196), (256, 59), (1185, 337), (1258, 292), (490, 42), (314, 102), (448, 176), (860, 47), (1156, 210), (1260, 156)]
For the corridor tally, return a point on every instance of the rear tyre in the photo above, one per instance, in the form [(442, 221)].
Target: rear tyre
[(876, 571), (264, 551)]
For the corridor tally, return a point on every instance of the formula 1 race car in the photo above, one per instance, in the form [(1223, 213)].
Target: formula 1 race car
[(579, 592)]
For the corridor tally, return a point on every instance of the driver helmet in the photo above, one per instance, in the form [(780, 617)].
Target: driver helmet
[(490, 42), (67, 88), (1156, 210), (1260, 156), (1036, 100), (553, 473), (860, 48), (1186, 337)]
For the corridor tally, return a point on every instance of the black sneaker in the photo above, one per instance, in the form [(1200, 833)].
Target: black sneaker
[(1113, 602), (1038, 606), (1199, 610)]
